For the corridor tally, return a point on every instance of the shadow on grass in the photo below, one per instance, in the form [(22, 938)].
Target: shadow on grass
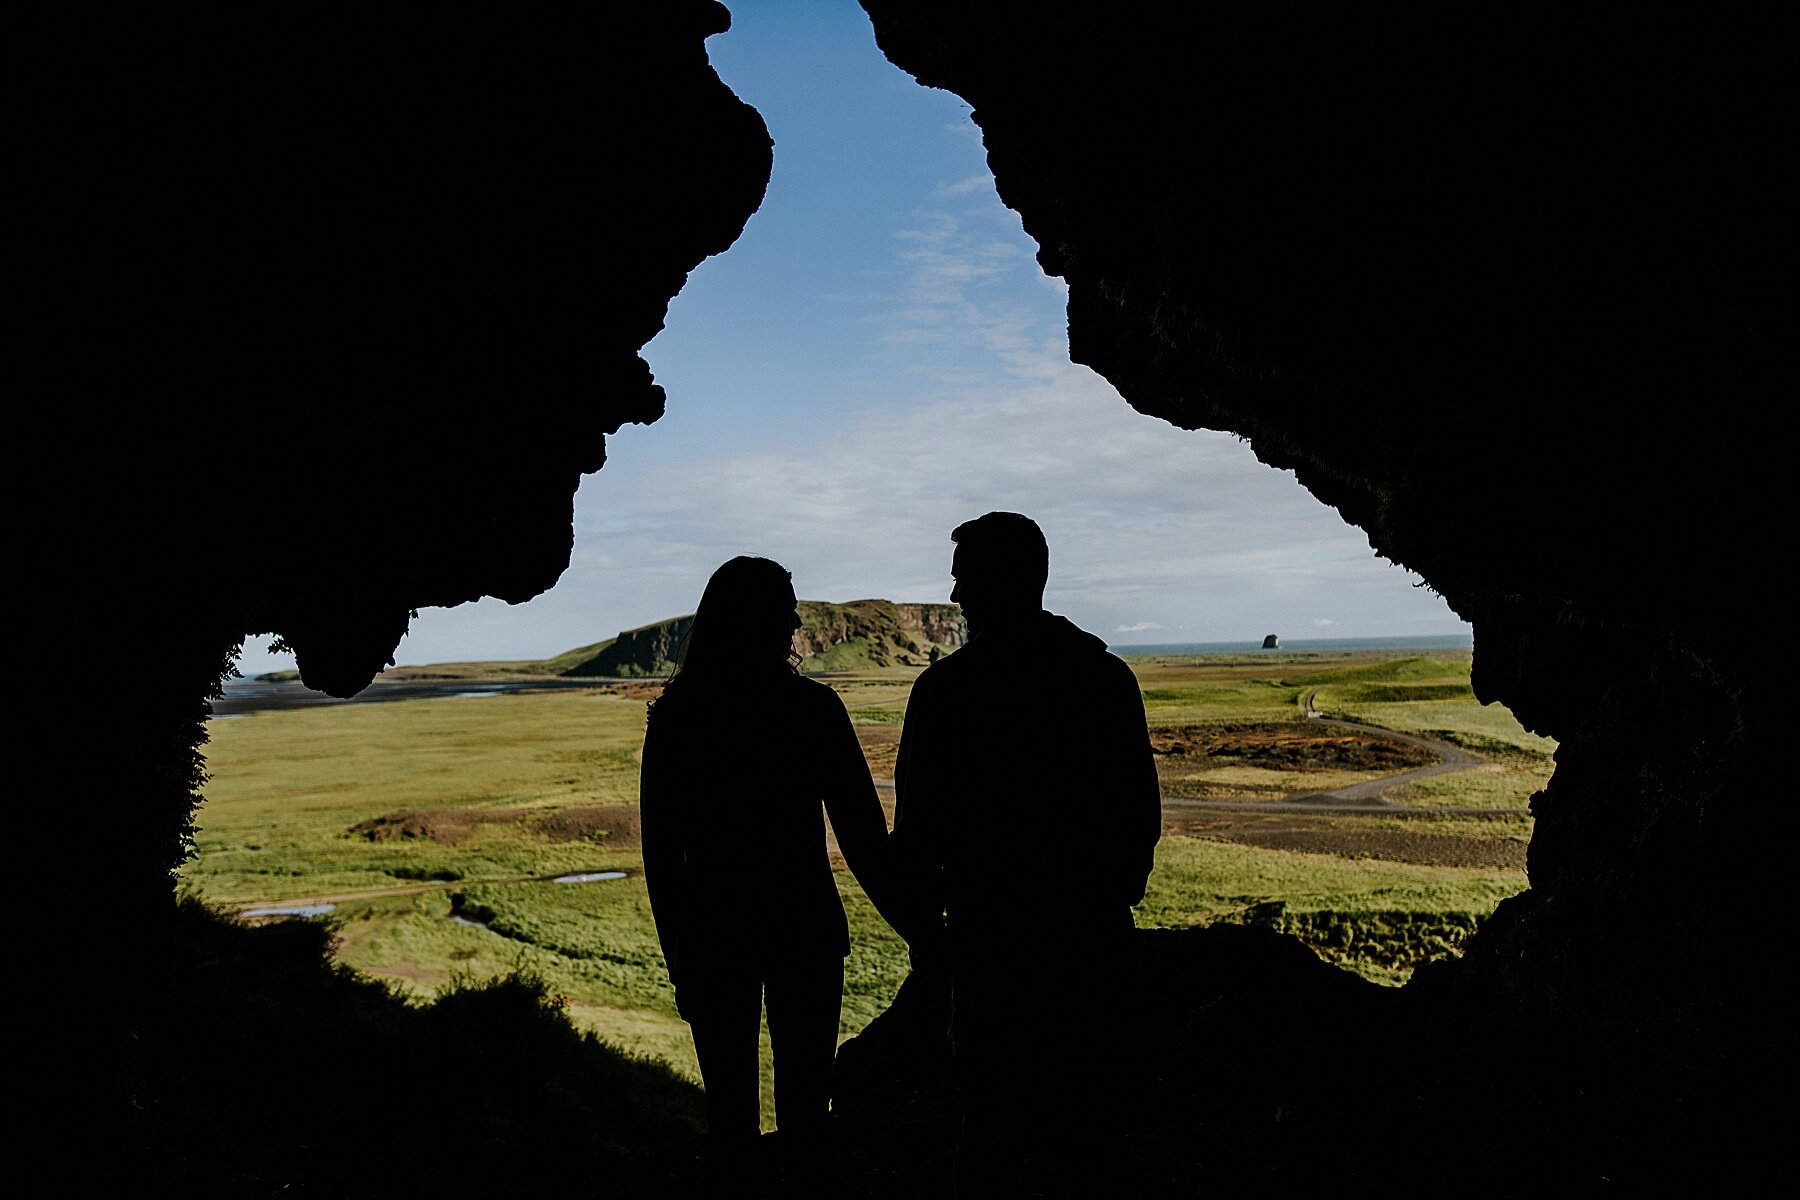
[(257, 1066)]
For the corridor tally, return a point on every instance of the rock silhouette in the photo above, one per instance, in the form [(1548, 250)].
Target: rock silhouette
[(1342, 243), (1504, 298)]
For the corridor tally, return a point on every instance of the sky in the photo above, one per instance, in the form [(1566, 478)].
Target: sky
[(879, 358)]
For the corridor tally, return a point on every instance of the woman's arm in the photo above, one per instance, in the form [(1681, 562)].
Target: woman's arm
[(665, 855), (854, 808)]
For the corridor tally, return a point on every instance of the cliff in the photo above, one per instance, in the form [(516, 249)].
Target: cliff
[(877, 633), (832, 637)]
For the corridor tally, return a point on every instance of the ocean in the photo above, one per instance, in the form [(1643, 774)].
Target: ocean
[(1436, 641)]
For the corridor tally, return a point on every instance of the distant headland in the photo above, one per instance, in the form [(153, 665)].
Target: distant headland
[(855, 636)]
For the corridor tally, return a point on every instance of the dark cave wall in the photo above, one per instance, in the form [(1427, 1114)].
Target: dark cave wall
[(340, 313), (1503, 295), (376, 296)]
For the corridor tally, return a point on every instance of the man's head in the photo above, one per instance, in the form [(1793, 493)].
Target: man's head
[(1001, 565)]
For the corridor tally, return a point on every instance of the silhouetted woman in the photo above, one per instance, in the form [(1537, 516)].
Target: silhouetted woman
[(740, 752)]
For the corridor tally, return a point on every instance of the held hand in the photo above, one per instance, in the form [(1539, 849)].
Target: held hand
[(684, 997), (675, 981), (927, 948)]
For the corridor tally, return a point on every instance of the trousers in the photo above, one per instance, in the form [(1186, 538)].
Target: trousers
[(724, 1007)]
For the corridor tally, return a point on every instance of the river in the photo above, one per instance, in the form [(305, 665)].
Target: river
[(254, 695)]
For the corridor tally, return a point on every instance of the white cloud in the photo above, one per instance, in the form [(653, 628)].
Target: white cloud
[(982, 182), (965, 129), (1149, 526)]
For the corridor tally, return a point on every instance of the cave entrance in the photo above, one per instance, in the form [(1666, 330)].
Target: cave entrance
[(877, 359)]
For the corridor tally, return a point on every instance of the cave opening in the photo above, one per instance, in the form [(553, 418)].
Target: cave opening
[(849, 388), (1643, 685), (846, 390)]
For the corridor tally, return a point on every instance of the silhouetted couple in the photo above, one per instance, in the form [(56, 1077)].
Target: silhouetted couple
[(1026, 814)]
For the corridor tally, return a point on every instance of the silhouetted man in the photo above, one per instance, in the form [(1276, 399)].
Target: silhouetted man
[(1026, 817)]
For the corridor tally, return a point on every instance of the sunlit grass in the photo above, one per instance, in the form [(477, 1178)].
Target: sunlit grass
[(1379, 919), (1197, 882), (287, 788)]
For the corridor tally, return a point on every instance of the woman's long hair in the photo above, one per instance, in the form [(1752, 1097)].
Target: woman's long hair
[(742, 627)]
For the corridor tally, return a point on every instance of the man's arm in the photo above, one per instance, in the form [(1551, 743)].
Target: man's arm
[(1140, 796)]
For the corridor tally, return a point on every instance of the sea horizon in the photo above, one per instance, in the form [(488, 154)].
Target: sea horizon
[(1429, 641)]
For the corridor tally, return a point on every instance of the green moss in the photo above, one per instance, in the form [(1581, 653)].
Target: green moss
[(1381, 919)]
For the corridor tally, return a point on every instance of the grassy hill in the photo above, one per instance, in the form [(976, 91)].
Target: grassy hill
[(876, 633), (857, 636), (860, 635)]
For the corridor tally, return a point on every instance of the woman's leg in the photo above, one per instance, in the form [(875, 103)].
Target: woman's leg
[(804, 1002), (725, 1011)]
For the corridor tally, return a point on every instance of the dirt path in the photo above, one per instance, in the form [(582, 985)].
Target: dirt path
[(1335, 822), (1368, 794), (1365, 797)]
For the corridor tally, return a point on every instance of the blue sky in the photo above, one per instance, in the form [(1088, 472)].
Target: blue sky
[(879, 358)]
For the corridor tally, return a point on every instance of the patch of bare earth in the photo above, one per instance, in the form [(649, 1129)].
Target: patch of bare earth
[(613, 824), (1350, 838), (446, 826), (1288, 746)]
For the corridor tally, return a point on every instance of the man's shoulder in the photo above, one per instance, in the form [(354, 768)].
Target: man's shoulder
[(951, 667), (1096, 667), (813, 694), (940, 682), (1105, 660), (1074, 648)]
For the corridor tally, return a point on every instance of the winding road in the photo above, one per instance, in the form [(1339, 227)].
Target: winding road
[(1365, 797)]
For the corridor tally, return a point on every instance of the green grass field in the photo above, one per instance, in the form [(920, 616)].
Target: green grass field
[(502, 792)]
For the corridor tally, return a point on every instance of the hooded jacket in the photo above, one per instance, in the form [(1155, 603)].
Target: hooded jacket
[(1028, 808)]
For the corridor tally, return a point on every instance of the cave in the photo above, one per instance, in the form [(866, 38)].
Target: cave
[(1486, 258)]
